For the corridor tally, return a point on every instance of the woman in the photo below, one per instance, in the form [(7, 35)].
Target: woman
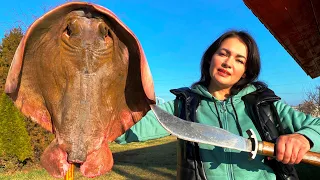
[(229, 67)]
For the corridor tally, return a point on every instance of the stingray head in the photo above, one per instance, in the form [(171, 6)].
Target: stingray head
[(81, 73)]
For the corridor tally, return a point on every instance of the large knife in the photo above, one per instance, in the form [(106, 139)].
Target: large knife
[(205, 134)]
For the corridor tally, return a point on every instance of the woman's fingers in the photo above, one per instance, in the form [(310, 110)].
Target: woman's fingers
[(302, 151), (294, 155), (288, 153), (291, 148), (280, 147)]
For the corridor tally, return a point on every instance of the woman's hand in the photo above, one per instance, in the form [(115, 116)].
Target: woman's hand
[(291, 148)]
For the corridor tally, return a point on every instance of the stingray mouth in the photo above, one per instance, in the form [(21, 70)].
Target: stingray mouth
[(57, 161), (77, 165)]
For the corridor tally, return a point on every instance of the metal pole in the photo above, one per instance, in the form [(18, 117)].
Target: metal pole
[(70, 173)]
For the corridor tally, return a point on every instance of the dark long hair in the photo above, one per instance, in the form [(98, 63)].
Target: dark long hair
[(253, 64)]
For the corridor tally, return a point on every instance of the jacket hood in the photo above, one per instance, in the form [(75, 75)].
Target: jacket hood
[(203, 91)]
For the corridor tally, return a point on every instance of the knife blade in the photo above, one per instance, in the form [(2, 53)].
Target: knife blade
[(215, 136), (201, 133)]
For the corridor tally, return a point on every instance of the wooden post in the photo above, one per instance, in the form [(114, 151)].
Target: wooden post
[(70, 173)]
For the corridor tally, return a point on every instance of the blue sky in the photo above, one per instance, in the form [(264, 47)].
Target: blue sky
[(175, 33)]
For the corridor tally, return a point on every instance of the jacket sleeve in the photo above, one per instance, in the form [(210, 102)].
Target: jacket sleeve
[(147, 128), (294, 121)]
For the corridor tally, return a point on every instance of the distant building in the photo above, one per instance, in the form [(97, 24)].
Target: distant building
[(314, 112), (295, 107), (159, 100)]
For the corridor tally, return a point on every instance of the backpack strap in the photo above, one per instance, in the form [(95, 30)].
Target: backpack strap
[(263, 113), (261, 110), (189, 102), (188, 157)]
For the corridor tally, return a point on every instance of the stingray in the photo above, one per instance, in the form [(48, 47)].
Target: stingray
[(81, 74)]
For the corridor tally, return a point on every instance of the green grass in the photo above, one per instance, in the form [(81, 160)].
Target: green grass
[(155, 159)]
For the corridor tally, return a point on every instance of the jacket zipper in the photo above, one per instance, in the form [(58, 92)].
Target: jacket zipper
[(227, 154)]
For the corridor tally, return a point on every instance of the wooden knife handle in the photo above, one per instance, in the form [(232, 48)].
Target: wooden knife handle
[(267, 149)]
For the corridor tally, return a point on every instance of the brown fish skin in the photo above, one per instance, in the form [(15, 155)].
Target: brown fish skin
[(80, 73), (89, 96)]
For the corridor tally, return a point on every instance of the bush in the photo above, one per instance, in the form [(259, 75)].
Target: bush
[(15, 147), (40, 138)]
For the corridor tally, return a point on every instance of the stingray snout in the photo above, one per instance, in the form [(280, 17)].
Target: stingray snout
[(76, 157)]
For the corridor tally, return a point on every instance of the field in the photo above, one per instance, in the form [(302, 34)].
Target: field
[(155, 159)]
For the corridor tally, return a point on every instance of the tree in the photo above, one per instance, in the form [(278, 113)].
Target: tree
[(20, 138), (7, 49), (314, 97), (312, 104), (307, 107), (40, 138), (14, 139)]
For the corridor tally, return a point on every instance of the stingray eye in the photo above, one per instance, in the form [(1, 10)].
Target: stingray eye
[(104, 29), (68, 30), (73, 28)]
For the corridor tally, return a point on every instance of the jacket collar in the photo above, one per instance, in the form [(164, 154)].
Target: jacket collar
[(203, 91)]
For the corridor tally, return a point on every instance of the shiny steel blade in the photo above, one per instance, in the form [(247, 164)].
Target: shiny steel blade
[(200, 133)]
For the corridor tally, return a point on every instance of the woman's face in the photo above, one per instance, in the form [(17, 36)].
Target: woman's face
[(228, 63)]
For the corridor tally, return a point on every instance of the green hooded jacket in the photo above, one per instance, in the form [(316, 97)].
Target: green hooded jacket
[(223, 163)]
